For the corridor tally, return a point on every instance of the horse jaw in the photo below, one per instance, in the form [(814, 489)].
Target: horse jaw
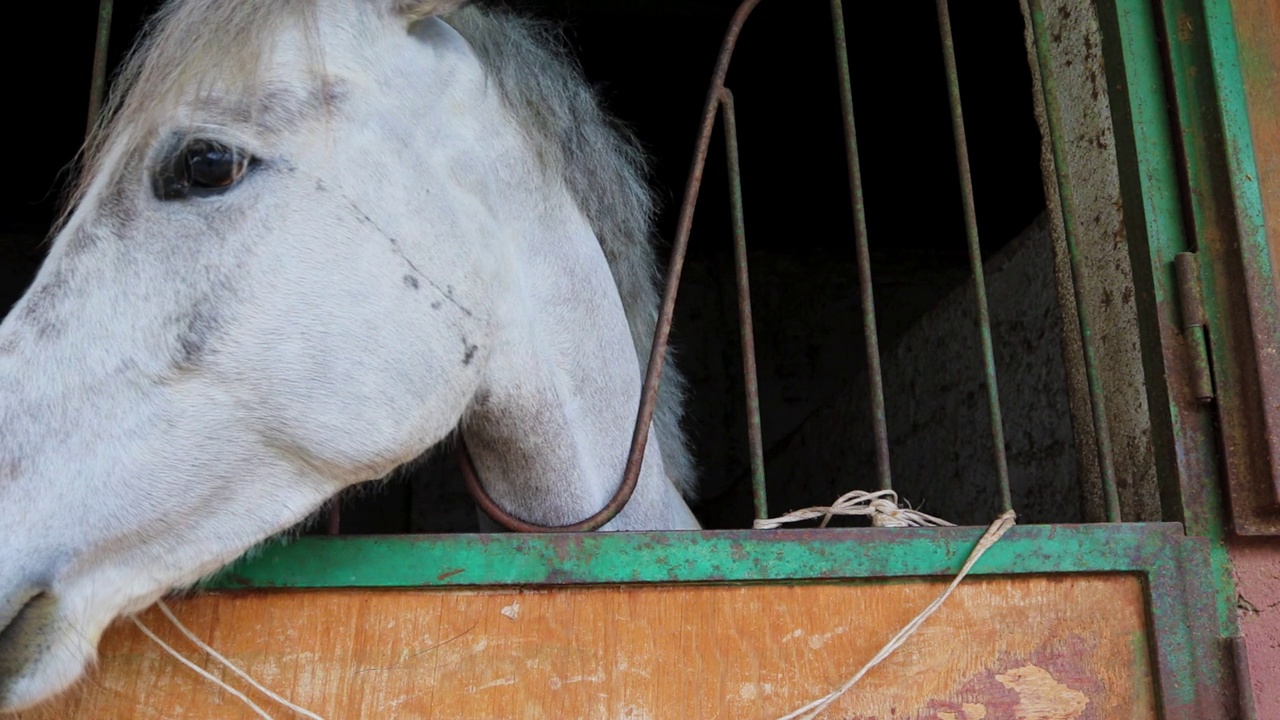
[(551, 430)]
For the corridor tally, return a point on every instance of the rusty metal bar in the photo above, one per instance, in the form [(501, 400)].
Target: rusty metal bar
[(98, 88), (1057, 140), (684, 226), (874, 375), (491, 508), (755, 433), (975, 255)]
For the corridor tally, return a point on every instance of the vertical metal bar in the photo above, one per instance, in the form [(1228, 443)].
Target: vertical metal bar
[(746, 326), (98, 87), (1053, 113), (684, 226), (874, 375), (975, 254)]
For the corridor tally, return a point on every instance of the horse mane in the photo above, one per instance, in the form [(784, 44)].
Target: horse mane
[(193, 44), (601, 163)]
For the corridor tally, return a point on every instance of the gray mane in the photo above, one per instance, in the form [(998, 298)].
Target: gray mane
[(605, 170)]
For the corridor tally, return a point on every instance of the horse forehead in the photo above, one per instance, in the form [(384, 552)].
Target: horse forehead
[(277, 108)]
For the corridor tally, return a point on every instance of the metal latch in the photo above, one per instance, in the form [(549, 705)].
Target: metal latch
[(1191, 302)]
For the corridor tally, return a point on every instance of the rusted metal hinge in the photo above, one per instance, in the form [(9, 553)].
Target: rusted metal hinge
[(1194, 327)]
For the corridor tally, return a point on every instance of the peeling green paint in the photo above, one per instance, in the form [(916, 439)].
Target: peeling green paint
[(722, 556)]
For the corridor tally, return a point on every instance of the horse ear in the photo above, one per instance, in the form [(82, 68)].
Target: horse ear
[(414, 10)]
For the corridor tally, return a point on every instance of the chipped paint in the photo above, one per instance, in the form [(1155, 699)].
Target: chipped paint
[(500, 682), (968, 711), (556, 682), (1041, 696), (817, 641)]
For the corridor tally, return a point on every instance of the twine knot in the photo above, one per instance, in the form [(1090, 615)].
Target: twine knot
[(882, 506)]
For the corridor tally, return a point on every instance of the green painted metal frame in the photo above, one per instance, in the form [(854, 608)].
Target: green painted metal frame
[(1188, 179), (1236, 271), (1242, 290), (1157, 231), (1164, 151), (468, 560), (1185, 156)]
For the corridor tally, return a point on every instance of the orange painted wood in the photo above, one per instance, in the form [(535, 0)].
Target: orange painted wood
[(1042, 648)]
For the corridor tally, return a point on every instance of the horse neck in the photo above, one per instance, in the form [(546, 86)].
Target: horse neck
[(551, 427)]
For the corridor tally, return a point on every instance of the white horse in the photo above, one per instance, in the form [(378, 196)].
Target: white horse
[(312, 240)]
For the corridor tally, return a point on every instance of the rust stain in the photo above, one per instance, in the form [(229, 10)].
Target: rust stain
[(1184, 27)]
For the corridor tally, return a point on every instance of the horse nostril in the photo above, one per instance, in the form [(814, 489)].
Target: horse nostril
[(22, 631), (12, 606)]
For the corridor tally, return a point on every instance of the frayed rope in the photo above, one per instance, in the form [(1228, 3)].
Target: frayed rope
[(883, 508), (222, 660)]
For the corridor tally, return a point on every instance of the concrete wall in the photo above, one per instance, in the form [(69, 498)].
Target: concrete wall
[(936, 403), (1257, 570), (809, 345)]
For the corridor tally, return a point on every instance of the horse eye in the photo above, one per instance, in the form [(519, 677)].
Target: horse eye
[(201, 168)]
